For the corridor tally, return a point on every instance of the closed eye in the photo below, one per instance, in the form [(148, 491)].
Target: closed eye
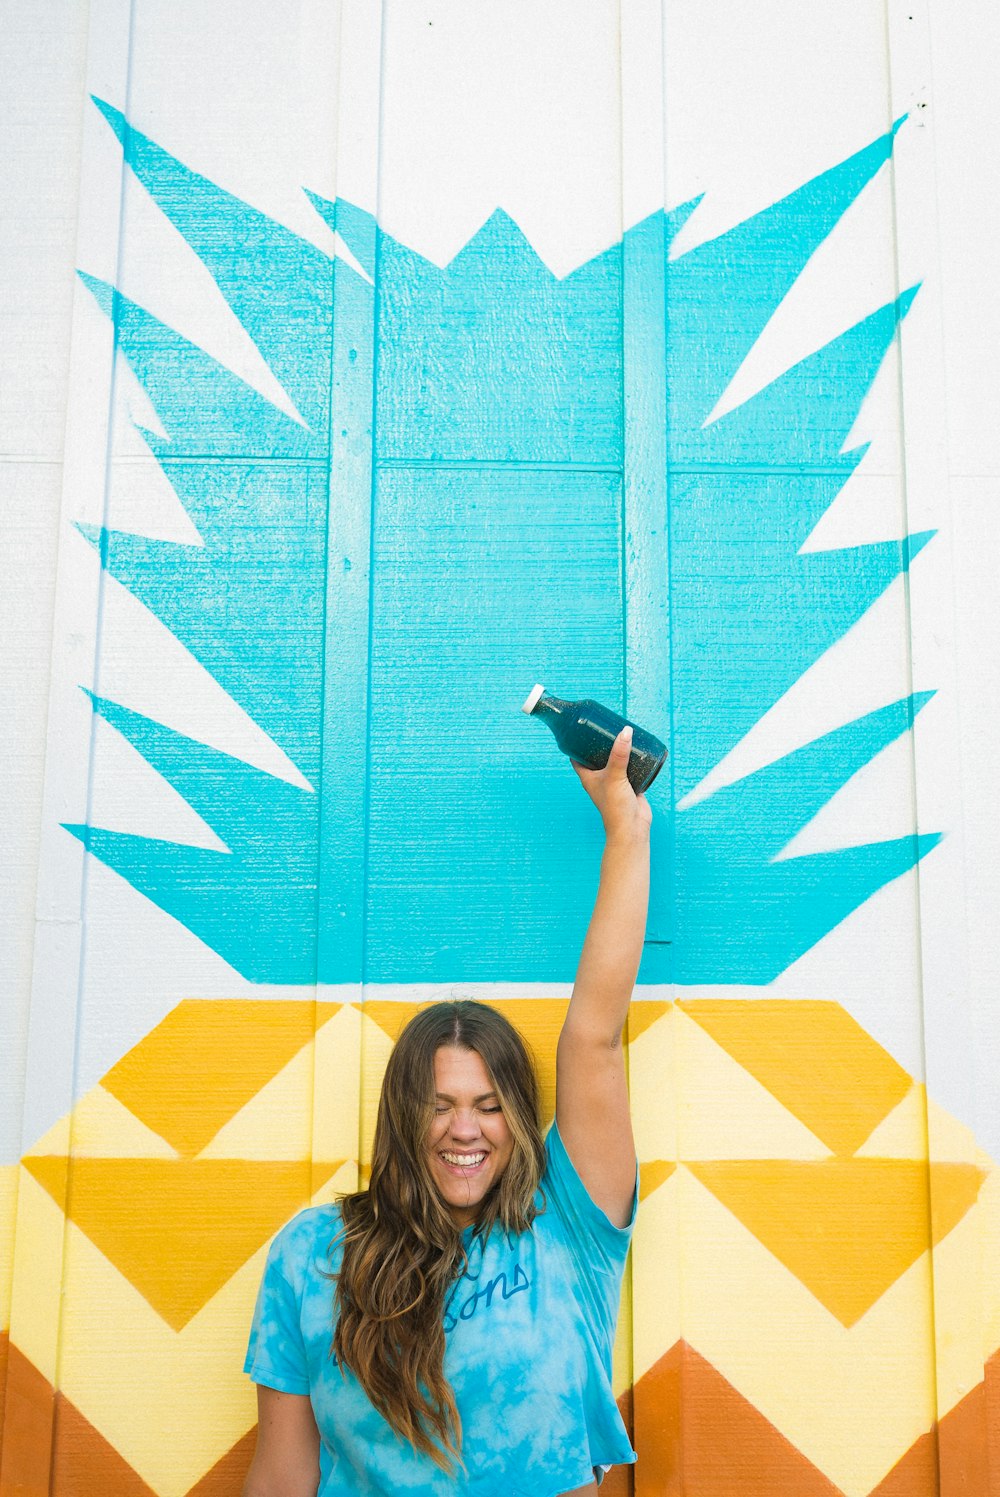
[(445, 1107)]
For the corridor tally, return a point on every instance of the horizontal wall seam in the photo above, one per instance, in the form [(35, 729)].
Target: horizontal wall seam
[(528, 466)]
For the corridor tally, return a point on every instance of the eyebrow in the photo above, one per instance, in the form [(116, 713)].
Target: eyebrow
[(443, 1097)]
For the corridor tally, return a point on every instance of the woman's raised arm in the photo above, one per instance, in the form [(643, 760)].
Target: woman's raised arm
[(592, 1108)]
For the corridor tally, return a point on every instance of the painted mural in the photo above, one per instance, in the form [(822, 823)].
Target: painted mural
[(484, 474), (494, 410)]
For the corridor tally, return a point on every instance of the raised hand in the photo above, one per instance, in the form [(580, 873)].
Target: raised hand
[(623, 812)]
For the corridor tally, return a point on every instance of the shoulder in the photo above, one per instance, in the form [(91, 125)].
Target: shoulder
[(311, 1240), (573, 1205)]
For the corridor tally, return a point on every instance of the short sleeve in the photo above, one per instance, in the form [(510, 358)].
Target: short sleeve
[(598, 1247), (276, 1354)]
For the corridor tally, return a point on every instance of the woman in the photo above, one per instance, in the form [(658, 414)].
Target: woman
[(449, 1330)]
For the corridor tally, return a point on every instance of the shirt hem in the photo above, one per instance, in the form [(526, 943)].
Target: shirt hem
[(275, 1380)]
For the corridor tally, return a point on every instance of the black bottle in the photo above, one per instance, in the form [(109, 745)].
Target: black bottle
[(586, 730)]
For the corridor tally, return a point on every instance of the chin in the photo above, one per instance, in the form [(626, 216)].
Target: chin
[(464, 1200)]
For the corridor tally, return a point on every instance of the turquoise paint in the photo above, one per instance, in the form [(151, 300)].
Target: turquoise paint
[(474, 434), (279, 285), (493, 359), (751, 911), (477, 870), (268, 876)]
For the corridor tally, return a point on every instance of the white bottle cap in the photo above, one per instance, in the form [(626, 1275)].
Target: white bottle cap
[(531, 700)]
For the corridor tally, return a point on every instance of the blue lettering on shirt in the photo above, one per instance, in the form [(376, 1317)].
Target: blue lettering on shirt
[(458, 1308)]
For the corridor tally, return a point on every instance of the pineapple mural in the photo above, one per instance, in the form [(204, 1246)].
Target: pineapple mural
[(485, 475)]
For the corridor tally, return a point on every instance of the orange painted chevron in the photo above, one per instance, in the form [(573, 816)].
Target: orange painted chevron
[(4, 1357), (620, 1480), (227, 1476), (697, 1437), (961, 1456), (50, 1450), (29, 1415), (729, 1449)]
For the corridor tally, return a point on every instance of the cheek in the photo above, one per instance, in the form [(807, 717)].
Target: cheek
[(505, 1145)]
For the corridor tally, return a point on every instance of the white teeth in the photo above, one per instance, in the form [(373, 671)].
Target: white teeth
[(463, 1159)]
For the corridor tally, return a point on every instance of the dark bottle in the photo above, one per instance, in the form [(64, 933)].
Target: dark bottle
[(586, 730)]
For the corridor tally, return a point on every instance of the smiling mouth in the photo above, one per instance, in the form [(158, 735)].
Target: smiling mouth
[(463, 1164)]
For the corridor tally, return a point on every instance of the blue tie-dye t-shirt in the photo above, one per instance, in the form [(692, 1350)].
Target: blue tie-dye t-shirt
[(529, 1330)]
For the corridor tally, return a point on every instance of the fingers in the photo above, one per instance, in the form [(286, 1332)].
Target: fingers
[(621, 749), (617, 760)]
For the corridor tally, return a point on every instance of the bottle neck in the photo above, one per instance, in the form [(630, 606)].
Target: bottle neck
[(550, 709)]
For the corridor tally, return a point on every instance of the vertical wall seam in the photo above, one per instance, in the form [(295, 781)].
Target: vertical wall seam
[(373, 489), (671, 770), (16, 1224), (911, 749), (327, 575), (99, 631), (645, 548), (623, 569)]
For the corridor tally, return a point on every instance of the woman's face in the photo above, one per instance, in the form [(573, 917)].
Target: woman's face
[(469, 1144)]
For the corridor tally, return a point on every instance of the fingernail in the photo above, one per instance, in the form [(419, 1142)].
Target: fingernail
[(627, 731)]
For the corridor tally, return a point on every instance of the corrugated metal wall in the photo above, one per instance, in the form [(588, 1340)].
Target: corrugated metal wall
[(591, 353)]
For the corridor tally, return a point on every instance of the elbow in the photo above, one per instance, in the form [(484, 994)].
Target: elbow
[(590, 1038), (291, 1483), (274, 1485)]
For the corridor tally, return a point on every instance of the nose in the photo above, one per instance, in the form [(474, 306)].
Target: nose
[(464, 1126)]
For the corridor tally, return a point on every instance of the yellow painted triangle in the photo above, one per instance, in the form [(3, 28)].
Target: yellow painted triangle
[(390, 1015), (902, 1133), (328, 1188), (919, 1128), (321, 1171), (337, 1086), (621, 1354), (100, 1125), (652, 1175), (539, 1020), (642, 1013), (8, 1214), (846, 1228), (813, 1057), (751, 1123), (652, 1067), (309, 1109), (178, 1229), (276, 1123), (206, 1059)]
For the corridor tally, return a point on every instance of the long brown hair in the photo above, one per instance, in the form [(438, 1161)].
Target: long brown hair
[(402, 1249)]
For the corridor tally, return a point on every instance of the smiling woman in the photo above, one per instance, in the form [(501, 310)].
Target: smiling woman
[(449, 1330), (470, 1142)]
